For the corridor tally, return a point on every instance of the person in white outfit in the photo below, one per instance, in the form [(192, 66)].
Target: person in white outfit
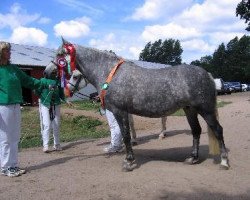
[(50, 121), (12, 79), (49, 109), (116, 136)]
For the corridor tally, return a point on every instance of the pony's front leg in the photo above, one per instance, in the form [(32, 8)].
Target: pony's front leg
[(129, 162)]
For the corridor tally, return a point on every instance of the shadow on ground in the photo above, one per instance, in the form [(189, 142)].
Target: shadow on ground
[(199, 194)]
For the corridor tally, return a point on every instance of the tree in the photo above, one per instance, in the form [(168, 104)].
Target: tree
[(231, 62), (218, 61), (167, 52), (196, 62), (204, 62), (243, 10), (145, 54)]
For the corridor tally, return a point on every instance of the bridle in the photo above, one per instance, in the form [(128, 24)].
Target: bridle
[(76, 86)]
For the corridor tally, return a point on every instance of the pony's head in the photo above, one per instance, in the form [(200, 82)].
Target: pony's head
[(63, 63), (77, 81), (63, 67)]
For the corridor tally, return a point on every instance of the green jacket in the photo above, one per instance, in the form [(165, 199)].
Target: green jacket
[(12, 79), (51, 97)]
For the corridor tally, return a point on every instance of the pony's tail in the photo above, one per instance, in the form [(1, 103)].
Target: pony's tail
[(214, 148)]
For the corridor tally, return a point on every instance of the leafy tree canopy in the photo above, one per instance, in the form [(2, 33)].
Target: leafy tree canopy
[(230, 62), (243, 10), (166, 52)]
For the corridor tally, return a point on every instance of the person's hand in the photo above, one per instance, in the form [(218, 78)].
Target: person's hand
[(69, 103), (94, 97), (52, 87)]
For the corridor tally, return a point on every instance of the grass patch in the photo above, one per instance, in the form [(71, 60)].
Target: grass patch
[(72, 128), (84, 105), (222, 103), (179, 113)]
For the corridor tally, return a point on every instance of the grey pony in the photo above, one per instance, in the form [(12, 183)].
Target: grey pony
[(152, 93), (77, 82)]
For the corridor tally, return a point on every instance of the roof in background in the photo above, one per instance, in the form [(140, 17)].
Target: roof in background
[(31, 55), (39, 56)]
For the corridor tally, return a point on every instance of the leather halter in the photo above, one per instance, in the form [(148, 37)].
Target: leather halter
[(76, 86), (108, 80)]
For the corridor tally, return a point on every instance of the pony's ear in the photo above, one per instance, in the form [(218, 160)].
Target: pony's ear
[(64, 41)]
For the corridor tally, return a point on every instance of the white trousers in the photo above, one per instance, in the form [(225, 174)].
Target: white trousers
[(10, 130), (116, 136), (47, 124)]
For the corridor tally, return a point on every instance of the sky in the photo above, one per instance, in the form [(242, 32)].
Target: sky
[(123, 26)]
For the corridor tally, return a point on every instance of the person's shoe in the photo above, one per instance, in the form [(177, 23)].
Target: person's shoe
[(113, 149), (10, 172), (57, 147), (46, 149), (21, 171)]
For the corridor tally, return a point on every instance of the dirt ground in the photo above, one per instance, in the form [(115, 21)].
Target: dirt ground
[(83, 171)]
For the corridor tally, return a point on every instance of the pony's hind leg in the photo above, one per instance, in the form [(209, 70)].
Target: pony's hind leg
[(217, 130), (132, 129), (163, 127), (192, 117)]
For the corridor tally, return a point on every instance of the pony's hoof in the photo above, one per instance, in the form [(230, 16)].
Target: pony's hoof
[(192, 160), (224, 164), (161, 136), (128, 166), (134, 143)]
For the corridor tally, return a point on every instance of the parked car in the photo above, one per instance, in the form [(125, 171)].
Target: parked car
[(236, 86), (228, 89), (219, 85), (244, 87), (248, 87), (222, 87)]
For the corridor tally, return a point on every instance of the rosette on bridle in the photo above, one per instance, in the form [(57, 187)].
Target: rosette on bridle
[(71, 51), (66, 65), (62, 64)]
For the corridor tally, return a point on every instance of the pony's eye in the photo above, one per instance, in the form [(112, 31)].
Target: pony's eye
[(75, 78)]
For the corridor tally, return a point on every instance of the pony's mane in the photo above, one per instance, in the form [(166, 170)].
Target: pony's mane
[(110, 53)]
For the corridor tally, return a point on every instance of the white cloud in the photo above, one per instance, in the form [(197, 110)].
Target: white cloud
[(210, 15), (34, 36), (74, 28), (80, 6), (200, 27), (218, 37), (150, 10), (44, 20), (152, 33), (154, 9), (17, 17), (119, 45), (108, 42), (197, 45), (135, 52)]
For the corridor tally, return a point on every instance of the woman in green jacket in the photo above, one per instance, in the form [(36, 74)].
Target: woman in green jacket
[(12, 79)]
